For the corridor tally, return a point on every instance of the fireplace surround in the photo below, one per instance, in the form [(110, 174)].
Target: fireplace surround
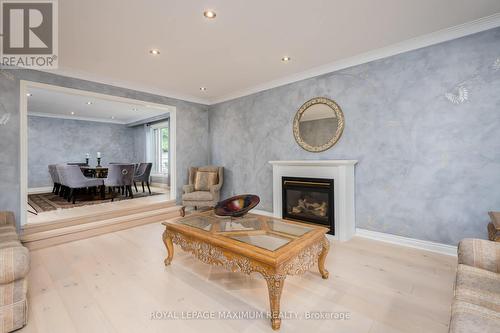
[(308, 200), (342, 173)]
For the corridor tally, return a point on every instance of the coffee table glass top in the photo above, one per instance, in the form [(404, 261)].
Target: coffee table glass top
[(261, 231)]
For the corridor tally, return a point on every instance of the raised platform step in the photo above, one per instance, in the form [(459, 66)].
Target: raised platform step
[(89, 214), (59, 235)]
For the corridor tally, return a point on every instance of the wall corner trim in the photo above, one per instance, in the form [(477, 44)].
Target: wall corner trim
[(445, 249)]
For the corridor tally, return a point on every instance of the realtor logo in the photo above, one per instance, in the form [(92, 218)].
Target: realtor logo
[(29, 31)]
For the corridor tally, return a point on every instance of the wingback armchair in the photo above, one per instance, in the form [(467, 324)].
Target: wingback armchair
[(204, 186)]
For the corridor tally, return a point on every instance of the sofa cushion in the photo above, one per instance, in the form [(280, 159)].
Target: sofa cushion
[(478, 286), (198, 196), (472, 318), (204, 179), (480, 253)]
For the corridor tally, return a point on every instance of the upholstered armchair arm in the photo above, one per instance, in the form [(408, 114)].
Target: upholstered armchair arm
[(7, 218), (214, 189), (480, 253), (15, 263), (188, 188)]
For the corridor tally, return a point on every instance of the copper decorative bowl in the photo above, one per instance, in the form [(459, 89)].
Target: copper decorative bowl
[(237, 206)]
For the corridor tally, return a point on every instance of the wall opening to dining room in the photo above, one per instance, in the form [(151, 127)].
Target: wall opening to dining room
[(61, 126)]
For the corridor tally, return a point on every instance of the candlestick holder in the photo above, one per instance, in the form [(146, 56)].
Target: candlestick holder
[(98, 162)]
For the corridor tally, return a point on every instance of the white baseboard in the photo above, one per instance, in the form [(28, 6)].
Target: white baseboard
[(408, 242), (161, 185), (446, 249), (36, 190)]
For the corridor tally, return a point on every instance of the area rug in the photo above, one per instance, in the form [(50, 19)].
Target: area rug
[(44, 202)]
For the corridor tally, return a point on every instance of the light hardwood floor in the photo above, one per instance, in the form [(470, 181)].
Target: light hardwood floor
[(113, 282)]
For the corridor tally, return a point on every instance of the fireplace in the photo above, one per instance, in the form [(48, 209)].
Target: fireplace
[(309, 200)]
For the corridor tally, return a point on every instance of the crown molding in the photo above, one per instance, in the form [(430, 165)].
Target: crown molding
[(469, 28), (62, 116), (462, 30), (124, 84)]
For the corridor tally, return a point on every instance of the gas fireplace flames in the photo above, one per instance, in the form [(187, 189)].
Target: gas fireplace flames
[(304, 206)]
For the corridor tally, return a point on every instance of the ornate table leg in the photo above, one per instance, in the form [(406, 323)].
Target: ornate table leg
[(275, 286), (322, 257), (167, 240)]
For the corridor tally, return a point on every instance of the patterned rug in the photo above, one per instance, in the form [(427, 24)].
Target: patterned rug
[(44, 202)]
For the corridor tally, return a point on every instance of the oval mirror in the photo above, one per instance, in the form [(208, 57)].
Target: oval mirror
[(318, 124)]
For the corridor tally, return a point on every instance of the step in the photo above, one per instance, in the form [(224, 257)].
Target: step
[(66, 234), (114, 211)]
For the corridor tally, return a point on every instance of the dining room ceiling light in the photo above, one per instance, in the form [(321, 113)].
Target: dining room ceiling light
[(90, 103), (72, 113), (29, 94), (286, 59), (203, 88), (209, 14)]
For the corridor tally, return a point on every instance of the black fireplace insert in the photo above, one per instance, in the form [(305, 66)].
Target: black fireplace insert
[(309, 200)]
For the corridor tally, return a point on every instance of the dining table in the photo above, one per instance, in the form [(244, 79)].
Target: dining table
[(94, 172)]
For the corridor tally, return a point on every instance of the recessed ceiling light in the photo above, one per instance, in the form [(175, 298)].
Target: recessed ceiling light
[(286, 59), (134, 109), (72, 113), (112, 117), (90, 103), (209, 14), (29, 94), (203, 88), (154, 51)]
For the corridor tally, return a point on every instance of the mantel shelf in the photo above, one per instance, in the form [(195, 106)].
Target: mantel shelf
[(316, 162)]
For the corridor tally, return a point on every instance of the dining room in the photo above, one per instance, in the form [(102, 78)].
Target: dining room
[(90, 154)]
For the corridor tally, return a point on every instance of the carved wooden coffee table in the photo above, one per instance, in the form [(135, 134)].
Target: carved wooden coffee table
[(272, 247)]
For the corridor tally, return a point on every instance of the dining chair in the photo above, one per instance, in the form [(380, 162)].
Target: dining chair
[(55, 178), (120, 175), (74, 180), (143, 175), (63, 189)]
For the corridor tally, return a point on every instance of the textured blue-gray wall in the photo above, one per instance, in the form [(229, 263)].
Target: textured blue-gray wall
[(192, 127), (428, 168), (53, 141)]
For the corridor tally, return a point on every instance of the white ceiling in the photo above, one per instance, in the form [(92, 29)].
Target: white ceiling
[(108, 41), (61, 104)]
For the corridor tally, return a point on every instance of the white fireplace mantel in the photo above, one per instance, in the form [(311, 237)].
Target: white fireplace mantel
[(341, 171)]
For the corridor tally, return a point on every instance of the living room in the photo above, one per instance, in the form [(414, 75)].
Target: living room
[(327, 166)]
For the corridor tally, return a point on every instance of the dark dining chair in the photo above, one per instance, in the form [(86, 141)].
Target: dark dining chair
[(74, 180), (120, 175), (143, 175)]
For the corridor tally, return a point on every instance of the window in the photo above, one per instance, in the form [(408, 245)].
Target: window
[(160, 136)]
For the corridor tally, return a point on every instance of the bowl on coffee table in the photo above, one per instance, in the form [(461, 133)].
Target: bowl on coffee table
[(237, 206)]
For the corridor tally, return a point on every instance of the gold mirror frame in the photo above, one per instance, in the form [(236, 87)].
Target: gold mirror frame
[(340, 128)]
